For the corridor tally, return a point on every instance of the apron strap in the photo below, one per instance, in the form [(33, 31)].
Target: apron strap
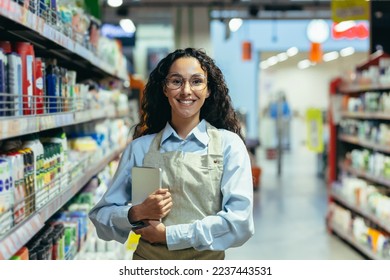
[(215, 143), (155, 146)]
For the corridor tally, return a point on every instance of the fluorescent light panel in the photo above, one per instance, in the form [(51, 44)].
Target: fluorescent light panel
[(303, 64), (127, 25), (330, 56), (347, 51), (114, 3)]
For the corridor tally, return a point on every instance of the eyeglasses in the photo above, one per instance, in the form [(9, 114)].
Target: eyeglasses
[(197, 82)]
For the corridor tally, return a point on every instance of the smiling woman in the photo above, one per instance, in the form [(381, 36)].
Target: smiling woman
[(189, 129), (186, 99)]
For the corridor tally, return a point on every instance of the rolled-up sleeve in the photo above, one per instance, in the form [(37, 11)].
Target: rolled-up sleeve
[(109, 215)]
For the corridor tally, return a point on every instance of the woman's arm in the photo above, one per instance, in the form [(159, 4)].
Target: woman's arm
[(113, 215)]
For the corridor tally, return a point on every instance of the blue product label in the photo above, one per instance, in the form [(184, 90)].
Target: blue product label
[(51, 81), (1, 185), (7, 184)]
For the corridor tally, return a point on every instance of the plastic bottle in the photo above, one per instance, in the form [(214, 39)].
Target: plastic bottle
[(26, 52), (39, 86), (51, 89), (30, 142), (3, 94), (28, 158), (15, 83), (6, 197), (5, 97), (19, 194)]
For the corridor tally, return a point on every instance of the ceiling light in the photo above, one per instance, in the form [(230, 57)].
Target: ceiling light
[(330, 56), (347, 51), (272, 60), (317, 31), (292, 51), (303, 64), (127, 25), (114, 3), (264, 64), (235, 24), (282, 56)]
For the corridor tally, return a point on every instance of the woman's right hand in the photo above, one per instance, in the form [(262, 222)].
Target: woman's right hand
[(156, 206)]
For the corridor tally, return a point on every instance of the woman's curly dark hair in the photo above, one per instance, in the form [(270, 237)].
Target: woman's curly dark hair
[(217, 109)]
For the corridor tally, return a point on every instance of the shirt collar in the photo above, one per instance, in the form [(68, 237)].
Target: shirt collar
[(199, 132)]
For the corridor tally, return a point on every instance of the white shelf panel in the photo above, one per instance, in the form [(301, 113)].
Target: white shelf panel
[(17, 126), (363, 212), (12, 127), (364, 143), (347, 237), (366, 115), (363, 174)]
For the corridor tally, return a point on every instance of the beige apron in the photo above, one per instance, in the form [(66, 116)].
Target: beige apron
[(194, 182)]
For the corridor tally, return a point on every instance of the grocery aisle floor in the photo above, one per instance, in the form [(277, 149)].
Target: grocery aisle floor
[(289, 214)]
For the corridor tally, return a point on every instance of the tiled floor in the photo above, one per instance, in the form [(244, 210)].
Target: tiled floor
[(290, 213)]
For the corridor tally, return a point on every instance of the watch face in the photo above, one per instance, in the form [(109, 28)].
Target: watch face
[(317, 31)]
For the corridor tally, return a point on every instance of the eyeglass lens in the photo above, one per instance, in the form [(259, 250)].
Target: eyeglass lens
[(197, 82)]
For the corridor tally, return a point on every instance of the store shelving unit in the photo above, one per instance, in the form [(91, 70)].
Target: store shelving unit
[(17, 23), (23, 232), (339, 143)]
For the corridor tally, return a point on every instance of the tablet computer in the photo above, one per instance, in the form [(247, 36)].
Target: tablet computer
[(145, 180)]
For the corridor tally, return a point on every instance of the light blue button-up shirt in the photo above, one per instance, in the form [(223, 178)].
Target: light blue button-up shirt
[(230, 227)]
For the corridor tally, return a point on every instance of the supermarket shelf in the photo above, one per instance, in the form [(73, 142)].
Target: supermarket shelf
[(363, 174), (23, 232), (25, 25), (365, 213), (367, 144), (18, 126), (339, 145), (355, 88), (366, 115), (347, 237)]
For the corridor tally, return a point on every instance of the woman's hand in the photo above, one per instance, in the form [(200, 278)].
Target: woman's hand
[(153, 233), (156, 206)]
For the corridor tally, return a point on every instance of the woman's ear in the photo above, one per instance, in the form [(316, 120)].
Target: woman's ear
[(208, 93)]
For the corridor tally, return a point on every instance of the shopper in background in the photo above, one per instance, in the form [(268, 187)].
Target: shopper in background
[(189, 129), (280, 112)]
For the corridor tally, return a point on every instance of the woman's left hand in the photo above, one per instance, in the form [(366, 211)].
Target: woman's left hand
[(153, 233)]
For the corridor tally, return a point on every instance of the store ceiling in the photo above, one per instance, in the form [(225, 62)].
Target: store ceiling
[(162, 11)]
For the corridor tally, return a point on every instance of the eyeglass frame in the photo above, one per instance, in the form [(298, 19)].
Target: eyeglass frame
[(184, 80)]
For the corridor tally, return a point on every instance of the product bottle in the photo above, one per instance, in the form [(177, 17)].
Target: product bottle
[(26, 52), (15, 83), (71, 77), (6, 107), (43, 69), (51, 88), (38, 86), (3, 94)]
